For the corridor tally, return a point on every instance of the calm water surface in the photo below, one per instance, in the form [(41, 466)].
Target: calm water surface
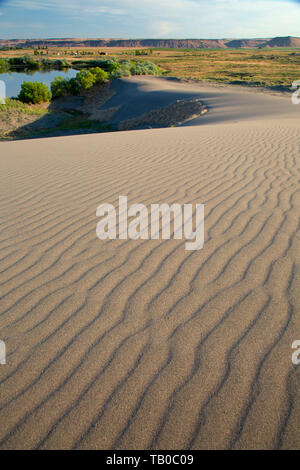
[(14, 80)]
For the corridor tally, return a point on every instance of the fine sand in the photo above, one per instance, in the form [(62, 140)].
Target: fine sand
[(134, 96), (141, 344)]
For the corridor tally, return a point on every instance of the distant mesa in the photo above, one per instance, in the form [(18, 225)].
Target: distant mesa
[(287, 41)]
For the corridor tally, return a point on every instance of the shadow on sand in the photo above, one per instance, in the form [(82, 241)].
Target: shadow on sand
[(131, 98)]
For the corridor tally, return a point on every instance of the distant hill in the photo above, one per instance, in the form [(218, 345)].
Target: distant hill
[(287, 41), (284, 42)]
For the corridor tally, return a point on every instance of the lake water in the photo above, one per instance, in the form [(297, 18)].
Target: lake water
[(14, 80)]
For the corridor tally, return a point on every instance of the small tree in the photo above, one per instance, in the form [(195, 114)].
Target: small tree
[(34, 92), (145, 68), (74, 86), (99, 74), (59, 87), (3, 65), (86, 79)]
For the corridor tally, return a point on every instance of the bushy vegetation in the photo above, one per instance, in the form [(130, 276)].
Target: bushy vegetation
[(113, 67), (34, 92), (15, 115), (16, 119), (110, 70), (12, 105), (121, 68), (90, 73), (29, 63), (84, 80), (3, 66), (108, 65), (59, 64), (145, 68), (88, 78), (254, 67), (144, 52), (276, 68), (25, 62), (100, 76), (60, 87)]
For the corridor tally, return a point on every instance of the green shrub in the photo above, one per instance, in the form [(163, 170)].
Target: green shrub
[(122, 69), (99, 74), (59, 87), (26, 62), (3, 65), (74, 87), (34, 92), (60, 64), (142, 52), (86, 79), (119, 73), (46, 64), (145, 68), (83, 80), (108, 65)]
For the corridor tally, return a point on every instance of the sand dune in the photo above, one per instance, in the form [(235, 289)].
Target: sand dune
[(141, 344), (137, 95)]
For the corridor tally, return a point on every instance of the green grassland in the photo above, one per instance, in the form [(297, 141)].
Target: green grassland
[(276, 68), (271, 67), (23, 121)]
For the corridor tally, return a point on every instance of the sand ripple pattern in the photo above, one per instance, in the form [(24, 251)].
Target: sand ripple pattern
[(141, 344)]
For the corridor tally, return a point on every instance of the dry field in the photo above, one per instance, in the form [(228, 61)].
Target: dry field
[(265, 67)]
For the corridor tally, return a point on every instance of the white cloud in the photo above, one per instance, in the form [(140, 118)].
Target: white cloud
[(89, 6), (178, 18), (164, 28), (103, 9)]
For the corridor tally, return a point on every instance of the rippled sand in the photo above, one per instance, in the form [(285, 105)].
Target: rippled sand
[(142, 344)]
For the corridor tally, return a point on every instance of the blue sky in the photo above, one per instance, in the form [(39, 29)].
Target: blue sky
[(149, 18)]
